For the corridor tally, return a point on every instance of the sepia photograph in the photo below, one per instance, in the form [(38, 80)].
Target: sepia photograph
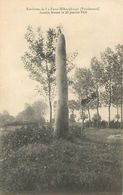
[(61, 97)]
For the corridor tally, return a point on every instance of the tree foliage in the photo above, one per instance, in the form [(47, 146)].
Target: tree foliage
[(33, 113)]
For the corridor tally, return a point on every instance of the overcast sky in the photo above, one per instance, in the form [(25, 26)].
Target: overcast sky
[(88, 33)]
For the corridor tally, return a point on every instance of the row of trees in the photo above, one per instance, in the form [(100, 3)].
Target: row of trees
[(105, 79), (99, 85)]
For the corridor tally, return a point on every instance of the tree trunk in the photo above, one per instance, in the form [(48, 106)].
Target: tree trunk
[(50, 106), (82, 122), (61, 122), (97, 117), (121, 125), (117, 109), (97, 107), (109, 114), (89, 115), (109, 105), (82, 128)]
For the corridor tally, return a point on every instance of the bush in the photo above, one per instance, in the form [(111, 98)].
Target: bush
[(103, 124), (114, 124), (14, 140)]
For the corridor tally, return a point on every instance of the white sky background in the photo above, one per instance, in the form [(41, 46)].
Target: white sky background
[(90, 34)]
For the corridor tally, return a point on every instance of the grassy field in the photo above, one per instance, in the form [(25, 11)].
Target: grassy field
[(103, 135), (90, 164)]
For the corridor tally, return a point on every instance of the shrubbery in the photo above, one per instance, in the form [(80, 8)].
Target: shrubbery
[(115, 124), (14, 140), (103, 124)]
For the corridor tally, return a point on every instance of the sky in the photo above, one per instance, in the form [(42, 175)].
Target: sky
[(89, 34)]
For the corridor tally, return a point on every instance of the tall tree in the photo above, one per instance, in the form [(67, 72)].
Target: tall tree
[(113, 78), (118, 76), (39, 60), (116, 96), (84, 86), (97, 71), (108, 72)]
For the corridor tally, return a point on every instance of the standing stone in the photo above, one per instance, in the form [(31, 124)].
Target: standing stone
[(61, 122)]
